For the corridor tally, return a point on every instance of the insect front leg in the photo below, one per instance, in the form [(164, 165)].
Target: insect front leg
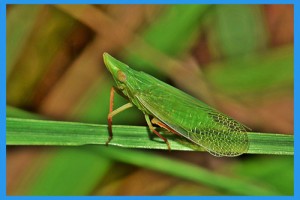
[(156, 133), (113, 113)]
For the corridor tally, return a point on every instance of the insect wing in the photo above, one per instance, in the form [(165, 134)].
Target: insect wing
[(214, 131)]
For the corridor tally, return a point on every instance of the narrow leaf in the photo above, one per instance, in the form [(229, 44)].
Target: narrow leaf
[(43, 132)]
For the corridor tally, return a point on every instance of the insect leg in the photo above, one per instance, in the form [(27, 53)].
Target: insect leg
[(113, 113), (157, 133), (161, 124)]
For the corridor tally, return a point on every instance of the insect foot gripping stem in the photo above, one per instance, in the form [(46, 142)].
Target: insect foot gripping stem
[(110, 136), (109, 117), (108, 140)]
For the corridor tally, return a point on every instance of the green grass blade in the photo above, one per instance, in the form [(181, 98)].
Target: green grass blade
[(19, 113), (80, 171), (255, 74), (251, 31), (43, 132), (184, 170), (173, 31), (195, 174)]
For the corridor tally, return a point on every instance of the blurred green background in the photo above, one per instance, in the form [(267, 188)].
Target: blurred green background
[(237, 58)]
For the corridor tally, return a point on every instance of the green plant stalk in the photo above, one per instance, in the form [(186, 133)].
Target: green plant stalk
[(45, 132)]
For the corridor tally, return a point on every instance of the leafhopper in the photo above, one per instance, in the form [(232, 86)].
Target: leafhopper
[(176, 111)]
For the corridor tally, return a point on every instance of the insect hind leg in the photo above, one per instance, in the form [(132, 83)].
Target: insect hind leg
[(161, 124), (157, 133)]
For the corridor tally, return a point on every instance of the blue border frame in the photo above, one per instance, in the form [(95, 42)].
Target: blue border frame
[(149, 2), (296, 96), (3, 98), (3, 85)]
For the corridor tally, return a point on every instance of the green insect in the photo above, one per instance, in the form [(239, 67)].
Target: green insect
[(175, 111)]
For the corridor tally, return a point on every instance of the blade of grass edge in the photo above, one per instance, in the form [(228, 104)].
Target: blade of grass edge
[(45, 132)]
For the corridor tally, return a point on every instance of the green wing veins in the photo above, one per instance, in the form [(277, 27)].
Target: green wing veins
[(217, 133)]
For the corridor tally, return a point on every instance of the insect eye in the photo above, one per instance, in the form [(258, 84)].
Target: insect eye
[(121, 76)]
